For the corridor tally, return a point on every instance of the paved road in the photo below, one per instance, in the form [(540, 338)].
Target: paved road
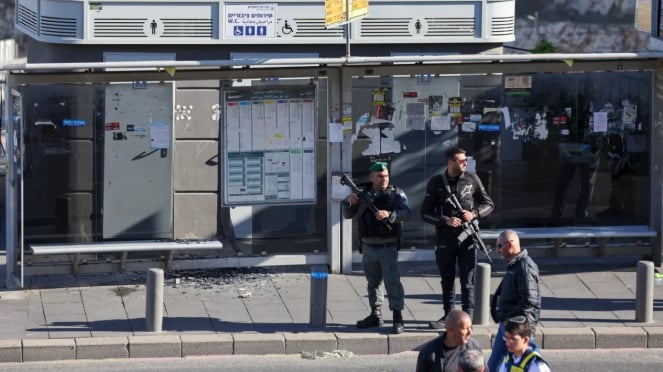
[(562, 361)]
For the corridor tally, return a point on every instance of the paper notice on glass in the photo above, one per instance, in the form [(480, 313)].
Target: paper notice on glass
[(335, 132), (471, 164), (415, 118), (339, 192), (507, 118), (159, 135), (469, 126), (438, 122), (600, 122)]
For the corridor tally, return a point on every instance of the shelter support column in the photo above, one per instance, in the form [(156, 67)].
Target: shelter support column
[(656, 170), (334, 166), (346, 163)]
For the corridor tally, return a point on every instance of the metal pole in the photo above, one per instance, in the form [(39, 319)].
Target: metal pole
[(644, 292), (318, 310), (482, 295), (154, 298)]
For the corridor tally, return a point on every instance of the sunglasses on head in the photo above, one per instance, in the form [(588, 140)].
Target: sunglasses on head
[(520, 319)]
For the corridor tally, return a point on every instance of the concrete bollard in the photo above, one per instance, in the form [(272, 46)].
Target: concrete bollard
[(644, 292), (482, 295), (154, 300), (318, 309)]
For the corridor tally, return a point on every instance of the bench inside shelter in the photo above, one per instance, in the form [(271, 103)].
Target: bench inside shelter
[(122, 247), (560, 239), (602, 236)]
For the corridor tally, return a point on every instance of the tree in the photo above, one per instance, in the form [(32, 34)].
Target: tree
[(544, 46)]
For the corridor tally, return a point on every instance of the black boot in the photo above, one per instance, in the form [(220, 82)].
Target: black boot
[(373, 320), (398, 326), (470, 312), (439, 324)]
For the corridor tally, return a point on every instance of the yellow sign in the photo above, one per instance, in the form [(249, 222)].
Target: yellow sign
[(359, 8), (643, 15), (336, 11)]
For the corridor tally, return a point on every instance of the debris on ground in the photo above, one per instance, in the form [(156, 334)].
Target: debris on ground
[(326, 354), (245, 281)]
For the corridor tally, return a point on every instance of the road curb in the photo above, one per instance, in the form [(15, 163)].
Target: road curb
[(210, 344), (102, 347), (654, 337), (620, 337), (158, 346), (11, 351), (186, 345), (567, 338), (48, 349)]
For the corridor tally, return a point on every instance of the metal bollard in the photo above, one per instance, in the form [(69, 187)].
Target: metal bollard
[(482, 295), (318, 309), (154, 299), (644, 292)]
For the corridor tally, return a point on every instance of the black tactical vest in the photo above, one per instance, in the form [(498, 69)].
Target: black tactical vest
[(369, 226)]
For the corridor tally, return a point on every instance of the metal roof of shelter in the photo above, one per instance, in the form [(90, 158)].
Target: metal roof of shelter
[(334, 62)]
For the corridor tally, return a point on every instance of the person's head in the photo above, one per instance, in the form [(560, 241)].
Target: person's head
[(379, 175), (508, 244), (517, 333), (471, 361), (456, 161), (458, 327)]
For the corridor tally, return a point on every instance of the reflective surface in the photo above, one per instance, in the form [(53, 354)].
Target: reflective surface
[(552, 149)]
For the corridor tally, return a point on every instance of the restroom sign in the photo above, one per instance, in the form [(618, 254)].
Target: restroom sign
[(250, 21), (153, 28)]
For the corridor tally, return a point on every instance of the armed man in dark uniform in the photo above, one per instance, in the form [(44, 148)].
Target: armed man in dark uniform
[(379, 233), (437, 210)]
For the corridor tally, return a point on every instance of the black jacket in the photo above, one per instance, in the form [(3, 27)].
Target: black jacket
[(518, 293), (432, 359), (470, 192)]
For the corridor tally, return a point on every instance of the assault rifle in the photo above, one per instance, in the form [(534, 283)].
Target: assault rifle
[(471, 228), (363, 198)]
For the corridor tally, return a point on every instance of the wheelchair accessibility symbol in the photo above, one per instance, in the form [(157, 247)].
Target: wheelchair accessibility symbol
[(288, 28), (238, 30)]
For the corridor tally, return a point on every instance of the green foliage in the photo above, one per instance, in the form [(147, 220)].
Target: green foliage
[(544, 46)]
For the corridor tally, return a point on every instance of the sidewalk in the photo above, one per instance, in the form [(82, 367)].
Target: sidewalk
[(586, 302)]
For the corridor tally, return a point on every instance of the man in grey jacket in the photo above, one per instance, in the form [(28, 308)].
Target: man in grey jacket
[(517, 295), (443, 354)]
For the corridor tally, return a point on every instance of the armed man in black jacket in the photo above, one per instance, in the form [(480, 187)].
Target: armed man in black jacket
[(438, 211)]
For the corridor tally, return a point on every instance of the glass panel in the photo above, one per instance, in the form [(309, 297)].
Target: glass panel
[(58, 163), (94, 162), (573, 152)]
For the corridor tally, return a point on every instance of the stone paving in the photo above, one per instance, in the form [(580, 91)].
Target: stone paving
[(586, 302)]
